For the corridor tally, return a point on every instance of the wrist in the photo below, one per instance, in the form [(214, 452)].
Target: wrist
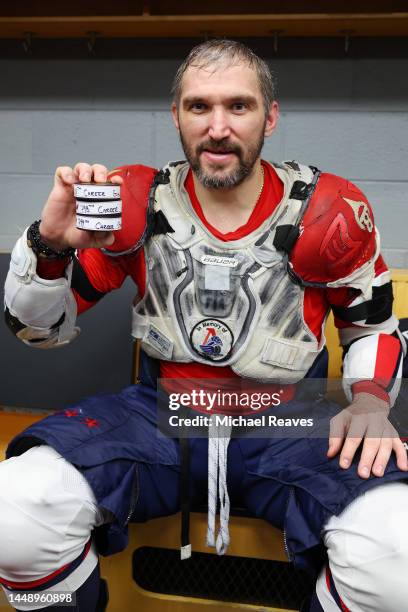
[(41, 248), (371, 387), (49, 239)]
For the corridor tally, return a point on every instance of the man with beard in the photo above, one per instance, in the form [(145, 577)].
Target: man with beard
[(237, 262)]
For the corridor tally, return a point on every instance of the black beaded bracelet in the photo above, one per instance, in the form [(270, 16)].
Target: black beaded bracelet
[(39, 247)]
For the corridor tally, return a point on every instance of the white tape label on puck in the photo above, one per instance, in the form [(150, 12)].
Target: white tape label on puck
[(99, 224), (99, 208), (97, 191)]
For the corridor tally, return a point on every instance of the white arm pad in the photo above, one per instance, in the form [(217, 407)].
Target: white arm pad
[(39, 303), (360, 364)]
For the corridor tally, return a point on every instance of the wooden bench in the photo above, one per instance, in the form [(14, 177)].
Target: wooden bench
[(250, 538)]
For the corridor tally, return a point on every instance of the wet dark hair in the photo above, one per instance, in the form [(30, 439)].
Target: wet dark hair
[(221, 51)]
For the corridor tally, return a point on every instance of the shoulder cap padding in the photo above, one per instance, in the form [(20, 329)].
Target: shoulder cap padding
[(337, 233)]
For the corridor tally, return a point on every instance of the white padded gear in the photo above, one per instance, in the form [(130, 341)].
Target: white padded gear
[(359, 364), (349, 334), (362, 328), (196, 281), (368, 552), (48, 500), (39, 303)]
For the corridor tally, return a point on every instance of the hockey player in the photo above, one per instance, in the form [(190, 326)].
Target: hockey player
[(258, 253)]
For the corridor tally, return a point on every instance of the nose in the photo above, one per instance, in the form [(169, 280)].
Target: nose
[(219, 127)]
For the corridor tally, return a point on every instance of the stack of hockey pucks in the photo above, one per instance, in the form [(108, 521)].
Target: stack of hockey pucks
[(98, 207)]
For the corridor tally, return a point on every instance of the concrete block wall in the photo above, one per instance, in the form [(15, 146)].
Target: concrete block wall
[(348, 116)]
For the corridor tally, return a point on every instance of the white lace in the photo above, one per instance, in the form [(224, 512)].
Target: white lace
[(218, 441)]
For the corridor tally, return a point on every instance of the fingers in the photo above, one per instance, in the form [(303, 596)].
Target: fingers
[(103, 239), (348, 451), (380, 440), (338, 428), (85, 173), (346, 434), (334, 446), (388, 443), (64, 175), (374, 456), (97, 173), (380, 450), (377, 446), (118, 180), (400, 453)]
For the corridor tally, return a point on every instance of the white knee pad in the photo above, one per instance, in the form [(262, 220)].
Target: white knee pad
[(368, 552), (47, 513)]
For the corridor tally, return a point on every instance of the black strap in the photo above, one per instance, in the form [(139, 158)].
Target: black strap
[(156, 222), (373, 311), (14, 324), (185, 491), (285, 237), (81, 283), (160, 225), (162, 177), (185, 501), (300, 190), (177, 163)]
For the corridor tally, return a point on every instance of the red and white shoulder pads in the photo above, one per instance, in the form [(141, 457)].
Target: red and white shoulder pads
[(134, 191), (337, 233)]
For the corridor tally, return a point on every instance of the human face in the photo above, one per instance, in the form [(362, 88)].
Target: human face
[(222, 124)]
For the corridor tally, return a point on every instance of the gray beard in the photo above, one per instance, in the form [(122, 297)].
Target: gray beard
[(234, 178), (228, 181)]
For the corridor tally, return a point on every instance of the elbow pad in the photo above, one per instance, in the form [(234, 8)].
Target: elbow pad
[(45, 309), (376, 358)]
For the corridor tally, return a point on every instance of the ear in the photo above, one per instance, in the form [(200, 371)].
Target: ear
[(272, 118), (174, 113)]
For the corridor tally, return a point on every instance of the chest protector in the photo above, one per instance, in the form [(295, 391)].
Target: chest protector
[(225, 303)]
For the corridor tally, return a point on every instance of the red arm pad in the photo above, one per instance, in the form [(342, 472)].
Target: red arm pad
[(337, 233), (134, 190)]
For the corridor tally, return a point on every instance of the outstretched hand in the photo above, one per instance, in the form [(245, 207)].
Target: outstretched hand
[(366, 421), (58, 219)]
